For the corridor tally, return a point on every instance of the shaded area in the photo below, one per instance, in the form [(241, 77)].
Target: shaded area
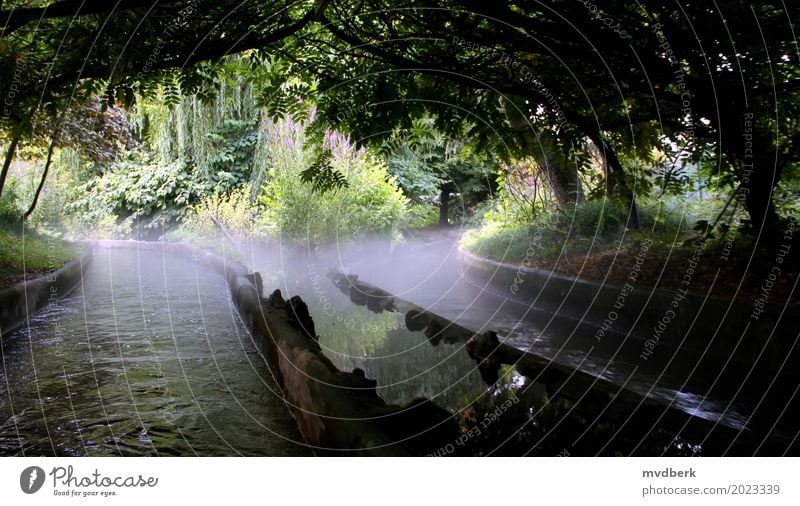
[(400, 359), (606, 419), (687, 401)]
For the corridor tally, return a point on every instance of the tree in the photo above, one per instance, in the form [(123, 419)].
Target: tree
[(624, 76), (431, 167), (99, 134), (614, 88)]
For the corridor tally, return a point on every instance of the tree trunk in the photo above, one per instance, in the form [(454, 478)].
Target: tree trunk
[(565, 184), (444, 206), (7, 164), (615, 179), (44, 177), (759, 164)]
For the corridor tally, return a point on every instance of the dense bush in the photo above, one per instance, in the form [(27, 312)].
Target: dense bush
[(598, 225), (138, 193), (234, 144), (428, 164), (141, 194), (371, 202), (236, 213), (10, 213), (420, 216), (502, 243)]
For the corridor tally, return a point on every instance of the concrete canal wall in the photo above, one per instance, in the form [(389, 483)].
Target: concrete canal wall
[(20, 302), (714, 327)]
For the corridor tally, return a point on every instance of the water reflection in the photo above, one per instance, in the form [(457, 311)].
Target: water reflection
[(403, 362), (680, 414), (428, 275)]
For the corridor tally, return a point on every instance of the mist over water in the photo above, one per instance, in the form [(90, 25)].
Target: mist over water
[(425, 271), (148, 355)]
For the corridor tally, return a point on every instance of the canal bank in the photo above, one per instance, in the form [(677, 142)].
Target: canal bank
[(21, 301), (664, 322), (148, 357), (363, 372), (738, 395)]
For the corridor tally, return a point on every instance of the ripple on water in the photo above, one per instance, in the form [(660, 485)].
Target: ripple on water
[(118, 370)]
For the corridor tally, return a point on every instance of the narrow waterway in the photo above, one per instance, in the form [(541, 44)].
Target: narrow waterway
[(146, 357), (752, 411), (426, 272)]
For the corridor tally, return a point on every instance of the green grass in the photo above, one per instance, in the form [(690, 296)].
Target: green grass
[(31, 254), (596, 227)]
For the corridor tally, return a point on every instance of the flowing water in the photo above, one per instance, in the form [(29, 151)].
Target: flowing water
[(427, 273), (146, 357)]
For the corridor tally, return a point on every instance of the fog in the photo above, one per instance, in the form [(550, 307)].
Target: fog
[(425, 270)]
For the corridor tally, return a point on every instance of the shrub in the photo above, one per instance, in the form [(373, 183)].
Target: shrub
[(600, 218), (594, 226), (235, 213), (498, 242), (138, 193), (421, 216), (10, 213), (371, 202), (235, 144)]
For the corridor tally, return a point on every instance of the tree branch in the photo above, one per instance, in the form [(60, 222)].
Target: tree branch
[(15, 18)]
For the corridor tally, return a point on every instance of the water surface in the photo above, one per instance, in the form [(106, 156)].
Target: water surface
[(146, 357)]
